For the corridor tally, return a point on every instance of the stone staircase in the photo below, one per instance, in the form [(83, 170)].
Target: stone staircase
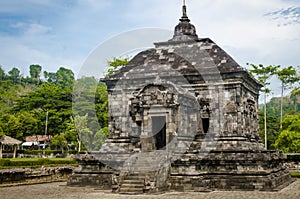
[(142, 172), (133, 184)]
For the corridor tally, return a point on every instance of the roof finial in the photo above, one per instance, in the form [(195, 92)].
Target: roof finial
[(184, 13), (184, 9)]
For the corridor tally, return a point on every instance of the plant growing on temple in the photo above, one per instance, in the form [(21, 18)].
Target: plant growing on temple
[(287, 76), (116, 64), (263, 74)]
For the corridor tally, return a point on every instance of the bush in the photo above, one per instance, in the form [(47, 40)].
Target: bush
[(4, 162), (32, 162), (47, 152)]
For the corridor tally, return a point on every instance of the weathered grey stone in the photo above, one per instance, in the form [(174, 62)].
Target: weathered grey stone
[(184, 117)]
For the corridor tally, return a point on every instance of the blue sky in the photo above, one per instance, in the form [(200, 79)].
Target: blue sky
[(56, 33)]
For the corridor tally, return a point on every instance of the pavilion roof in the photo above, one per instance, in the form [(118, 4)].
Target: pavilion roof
[(5, 140)]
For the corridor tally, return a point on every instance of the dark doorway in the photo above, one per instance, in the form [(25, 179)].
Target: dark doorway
[(205, 124), (159, 131)]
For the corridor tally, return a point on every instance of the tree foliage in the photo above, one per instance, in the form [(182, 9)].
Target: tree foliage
[(35, 72), (14, 75), (24, 103), (289, 138)]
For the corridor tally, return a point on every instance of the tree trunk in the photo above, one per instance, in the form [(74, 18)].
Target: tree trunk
[(79, 145), (265, 120), (15, 151), (281, 106)]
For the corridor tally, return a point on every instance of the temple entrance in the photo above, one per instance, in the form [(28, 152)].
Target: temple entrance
[(159, 131), (205, 124)]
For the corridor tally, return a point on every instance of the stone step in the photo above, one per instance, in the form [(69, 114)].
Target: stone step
[(139, 167), (127, 181), (145, 166), (134, 176), (131, 192), (143, 170), (130, 185)]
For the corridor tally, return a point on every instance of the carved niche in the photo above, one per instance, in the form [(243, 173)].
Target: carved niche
[(205, 112), (230, 125), (149, 96)]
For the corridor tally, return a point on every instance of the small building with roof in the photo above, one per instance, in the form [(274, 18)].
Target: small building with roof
[(9, 141)]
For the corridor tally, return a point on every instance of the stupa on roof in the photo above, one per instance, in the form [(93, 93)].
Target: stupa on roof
[(183, 116)]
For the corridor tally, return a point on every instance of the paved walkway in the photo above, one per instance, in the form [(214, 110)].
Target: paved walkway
[(61, 191)]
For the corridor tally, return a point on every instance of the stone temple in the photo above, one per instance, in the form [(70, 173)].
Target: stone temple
[(183, 116)]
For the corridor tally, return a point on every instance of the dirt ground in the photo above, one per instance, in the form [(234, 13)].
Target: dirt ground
[(61, 191)]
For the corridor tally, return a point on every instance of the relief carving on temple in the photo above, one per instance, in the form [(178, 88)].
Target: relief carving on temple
[(250, 118), (151, 95), (231, 122)]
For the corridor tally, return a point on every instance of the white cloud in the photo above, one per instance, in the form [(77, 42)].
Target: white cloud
[(37, 29)]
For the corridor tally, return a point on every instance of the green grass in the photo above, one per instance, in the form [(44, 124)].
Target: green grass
[(295, 174), (35, 162)]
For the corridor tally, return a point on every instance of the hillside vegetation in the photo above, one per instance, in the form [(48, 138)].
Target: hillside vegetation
[(42, 104)]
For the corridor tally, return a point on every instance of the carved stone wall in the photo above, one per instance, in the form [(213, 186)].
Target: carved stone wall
[(210, 107)]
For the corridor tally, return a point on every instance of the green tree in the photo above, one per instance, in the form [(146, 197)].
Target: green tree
[(295, 94), (91, 139), (90, 97), (60, 141), (51, 98), (287, 76), (8, 95), (14, 75), (101, 105), (2, 74), (263, 73), (28, 124), (35, 72), (1, 132), (10, 124), (289, 138), (272, 126), (65, 77), (50, 77), (76, 127)]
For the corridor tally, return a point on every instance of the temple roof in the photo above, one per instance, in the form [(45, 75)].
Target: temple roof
[(183, 55), (184, 30), (201, 57)]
